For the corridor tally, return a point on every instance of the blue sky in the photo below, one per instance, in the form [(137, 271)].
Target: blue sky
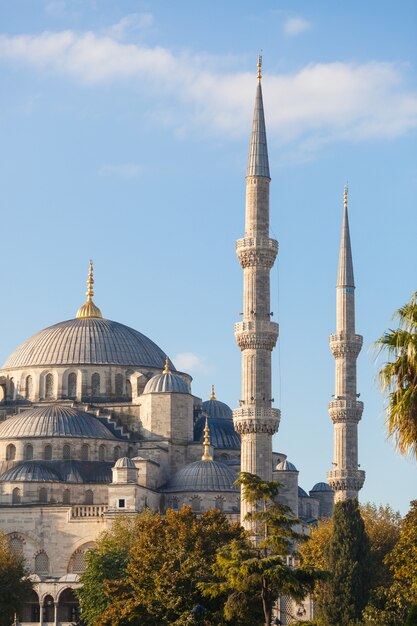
[(124, 138)]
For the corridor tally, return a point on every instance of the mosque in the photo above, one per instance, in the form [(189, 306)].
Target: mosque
[(95, 421)]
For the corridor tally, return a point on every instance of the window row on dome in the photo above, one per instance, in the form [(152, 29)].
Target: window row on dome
[(82, 385), (226, 503), (66, 452), (42, 495)]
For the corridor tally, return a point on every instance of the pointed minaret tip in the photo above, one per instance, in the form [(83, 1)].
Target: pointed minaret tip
[(258, 162), (345, 276), (260, 65), (206, 443)]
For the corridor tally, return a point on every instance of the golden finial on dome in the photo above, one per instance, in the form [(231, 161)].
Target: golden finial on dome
[(260, 65), (206, 443), (166, 369), (89, 309), (213, 396), (345, 196)]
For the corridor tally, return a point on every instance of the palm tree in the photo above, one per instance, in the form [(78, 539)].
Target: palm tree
[(398, 378)]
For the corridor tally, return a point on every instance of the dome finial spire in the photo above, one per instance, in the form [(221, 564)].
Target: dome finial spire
[(260, 65), (345, 196), (166, 368), (206, 443), (213, 395), (89, 309)]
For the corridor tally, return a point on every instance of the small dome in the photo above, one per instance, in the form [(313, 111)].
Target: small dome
[(219, 410), (54, 421), (166, 383), (302, 493), (321, 487), (30, 471), (203, 476), (286, 466), (222, 432), (125, 462)]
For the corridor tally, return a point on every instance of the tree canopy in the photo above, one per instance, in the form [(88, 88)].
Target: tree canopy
[(15, 587)]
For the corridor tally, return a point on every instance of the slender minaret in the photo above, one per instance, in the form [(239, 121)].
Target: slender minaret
[(345, 410), (256, 421)]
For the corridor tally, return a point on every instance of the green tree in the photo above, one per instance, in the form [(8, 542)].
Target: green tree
[(149, 566), (398, 378), (403, 558), (412, 616), (346, 593), (255, 572), (15, 587)]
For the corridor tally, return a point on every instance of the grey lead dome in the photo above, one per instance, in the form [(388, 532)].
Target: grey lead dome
[(87, 341), (54, 421), (203, 476)]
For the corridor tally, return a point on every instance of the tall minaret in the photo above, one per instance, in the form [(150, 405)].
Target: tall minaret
[(256, 421), (345, 410)]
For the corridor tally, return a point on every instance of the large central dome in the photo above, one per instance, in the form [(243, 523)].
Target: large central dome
[(87, 341)]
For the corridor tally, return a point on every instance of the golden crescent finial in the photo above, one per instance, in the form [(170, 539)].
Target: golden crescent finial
[(260, 65), (206, 443), (213, 395), (166, 369), (345, 196), (89, 309)]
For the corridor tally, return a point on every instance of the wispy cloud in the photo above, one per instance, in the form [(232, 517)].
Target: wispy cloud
[(320, 103), (127, 171), (132, 24), (296, 25), (189, 362)]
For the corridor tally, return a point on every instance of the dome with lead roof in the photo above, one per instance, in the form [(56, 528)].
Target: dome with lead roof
[(321, 487), (167, 382), (124, 461), (203, 476), (216, 409), (286, 466), (54, 421)]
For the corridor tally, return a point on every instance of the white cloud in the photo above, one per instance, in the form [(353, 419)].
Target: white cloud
[(296, 25), (56, 8), (128, 171), (320, 103), (189, 362), (131, 24)]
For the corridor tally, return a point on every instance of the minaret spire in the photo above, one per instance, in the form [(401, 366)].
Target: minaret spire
[(256, 335), (345, 410), (89, 309)]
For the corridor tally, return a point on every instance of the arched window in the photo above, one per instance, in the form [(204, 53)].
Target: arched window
[(102, 452), (116, 454), (77, 563), (95, 385), (119, 385), (42, 563), (16, 545), (85, 452), (66, 496), (72, 386), (196, 504), (219, 503), (130, 452), (88, 497), (68, 607), (12, 389), (49, 387), (29, 387), (175, 504), (43, 495), (28, 452), (31, 611), (10, 452), (129, 390), (16, 496), (48, 609), (47, 453), (66, 452)]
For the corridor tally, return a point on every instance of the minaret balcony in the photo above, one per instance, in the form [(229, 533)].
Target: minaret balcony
[(344, 344), (342, 410), (256, 252), (256, 334), (346, 479), (256, 420)]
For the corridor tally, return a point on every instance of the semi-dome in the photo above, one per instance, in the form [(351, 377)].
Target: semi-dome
[(222, 432), (321, 487), (203, 476), (215, 408), (167, 382), (124, 461), (87, 341), (286, 466), (54, 421), (79, 472), (30, 471)]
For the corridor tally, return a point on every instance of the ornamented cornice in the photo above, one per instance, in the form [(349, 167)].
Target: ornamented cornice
[(341, 410), (256, 252), (260, 334), (256, 420), (343, 344), (346, 480)]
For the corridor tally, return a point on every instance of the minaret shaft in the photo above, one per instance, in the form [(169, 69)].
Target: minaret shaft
[(345, 410), (256, 335)]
